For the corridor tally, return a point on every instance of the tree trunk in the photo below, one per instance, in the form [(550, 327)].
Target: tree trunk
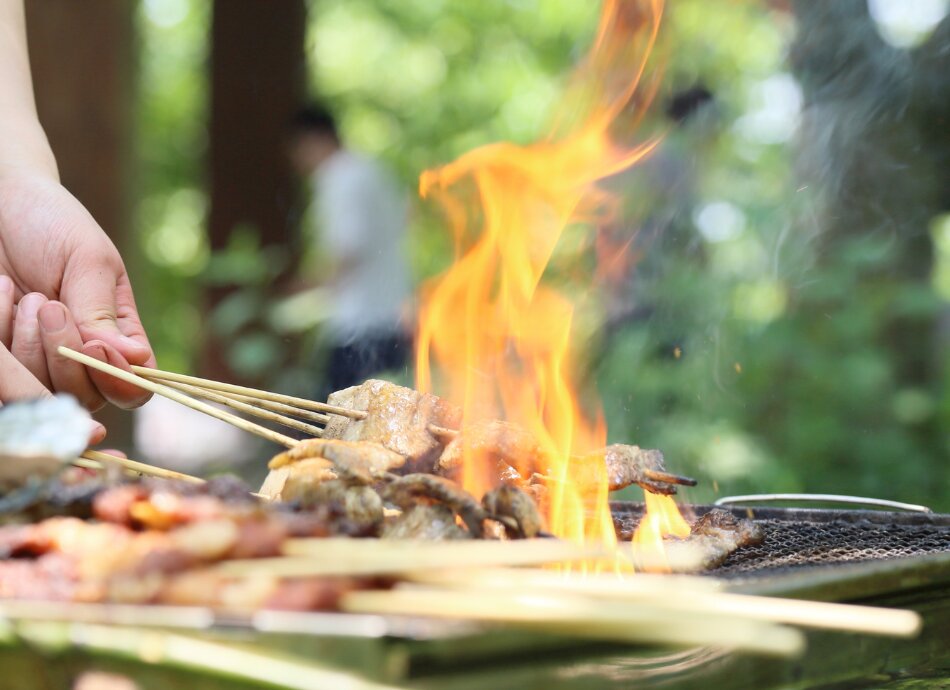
[(257, 80)]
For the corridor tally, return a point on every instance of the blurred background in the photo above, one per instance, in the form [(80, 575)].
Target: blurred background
[(775, 314)]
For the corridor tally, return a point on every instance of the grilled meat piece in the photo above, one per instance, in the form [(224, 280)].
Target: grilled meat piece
[(53, 577), (397, 417), (628, 465), (721, 524), (361, 461), (716, 535), (405, 492), (164, 504), (431, 522), (510, 504), (360, 507), (290, 482), (303, 467), (493, 442), (243, 596)]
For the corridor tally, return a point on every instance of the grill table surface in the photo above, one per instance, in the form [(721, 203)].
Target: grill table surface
[(903, 561)]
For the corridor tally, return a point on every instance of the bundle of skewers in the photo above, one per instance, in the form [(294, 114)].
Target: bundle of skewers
[(364, 515)]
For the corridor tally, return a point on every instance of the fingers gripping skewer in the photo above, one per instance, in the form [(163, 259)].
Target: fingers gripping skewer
[(272, 406), (247, 408), (153, 374), (179, 397)]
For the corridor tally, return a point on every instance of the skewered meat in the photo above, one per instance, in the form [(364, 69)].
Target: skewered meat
[(290, 482), (360, 507), (55, 577), (303, 467), (406, 491), (163, 504), (397, 417), (493, 442), (362, 461), (723, 525), (70, 493), (430, 522), (508, 501), (208, 588), (517, 455), (716, 535), (628, 465)]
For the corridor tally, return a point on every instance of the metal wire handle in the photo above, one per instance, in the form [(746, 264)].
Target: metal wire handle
[(823, 498)]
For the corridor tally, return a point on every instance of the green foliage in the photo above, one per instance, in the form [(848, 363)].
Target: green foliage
[(170, 218), (758, 358)]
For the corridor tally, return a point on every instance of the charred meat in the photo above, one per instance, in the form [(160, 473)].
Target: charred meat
[(515, 509), (398, 418), (364, 461), (513, 450), (430, 522), (716, 535), (406, 492)]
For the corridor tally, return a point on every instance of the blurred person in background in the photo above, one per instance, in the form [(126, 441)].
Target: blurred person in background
[(62, 281), (360, 216)]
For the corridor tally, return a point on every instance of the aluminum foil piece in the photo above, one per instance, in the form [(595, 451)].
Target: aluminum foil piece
[(38, 437)]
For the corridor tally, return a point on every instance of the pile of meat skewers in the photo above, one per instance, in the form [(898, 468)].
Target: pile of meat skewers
[(156, 541), (404, 451), (388, 472)]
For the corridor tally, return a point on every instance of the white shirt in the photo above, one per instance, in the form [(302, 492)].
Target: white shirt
[(361, 218)]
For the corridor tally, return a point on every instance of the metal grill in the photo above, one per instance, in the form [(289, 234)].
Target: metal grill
[(797, 538)]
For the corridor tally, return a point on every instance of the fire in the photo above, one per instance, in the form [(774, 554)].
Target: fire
[(495, 333), (661, 519)]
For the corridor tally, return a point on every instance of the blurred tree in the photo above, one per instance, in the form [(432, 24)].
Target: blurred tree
[(257, 79)]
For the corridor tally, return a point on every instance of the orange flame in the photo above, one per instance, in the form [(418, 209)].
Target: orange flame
[(661, 519), (497, 336)]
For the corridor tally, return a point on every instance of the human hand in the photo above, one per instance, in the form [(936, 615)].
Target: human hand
[(50, 245)]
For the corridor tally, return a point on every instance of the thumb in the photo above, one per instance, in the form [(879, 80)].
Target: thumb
[(99, 296)]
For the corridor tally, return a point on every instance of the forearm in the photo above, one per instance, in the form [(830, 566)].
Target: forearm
[(23, 144)]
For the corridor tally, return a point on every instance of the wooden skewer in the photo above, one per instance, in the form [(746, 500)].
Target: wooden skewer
[(307, 557), (669, 478), (95, 459), (195, 391), (178, 396), (689, 594), (574, 615), (277, 402), (289, 410), (445, 432), (250, 392)]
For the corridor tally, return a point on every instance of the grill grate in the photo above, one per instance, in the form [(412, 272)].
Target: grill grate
[(796, 539)]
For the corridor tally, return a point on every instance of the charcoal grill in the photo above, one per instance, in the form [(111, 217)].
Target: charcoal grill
[(878, 558)]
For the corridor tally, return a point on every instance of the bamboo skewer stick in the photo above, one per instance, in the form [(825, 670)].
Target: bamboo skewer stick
[(288, 404), (250, 392), (289, 410), (95, 459), (688, 594), (308, 557), (586, 617), (178, 396), (207, 394)]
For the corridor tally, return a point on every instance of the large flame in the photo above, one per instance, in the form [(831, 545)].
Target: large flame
[(498, 337)]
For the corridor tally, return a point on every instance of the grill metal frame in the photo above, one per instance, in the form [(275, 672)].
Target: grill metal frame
[(815, 540), (420, 653)]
